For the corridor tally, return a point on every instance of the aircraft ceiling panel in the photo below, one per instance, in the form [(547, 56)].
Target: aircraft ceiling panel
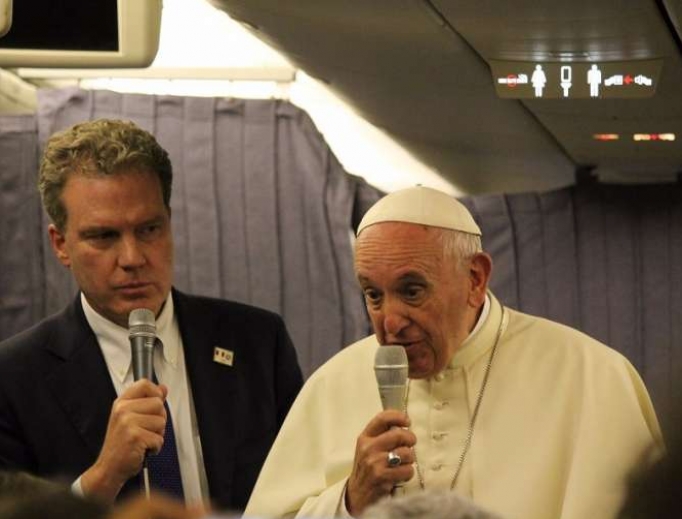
[(419, 70), (606, 30)]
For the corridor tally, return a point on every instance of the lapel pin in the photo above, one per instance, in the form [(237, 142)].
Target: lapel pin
[(223, 356)]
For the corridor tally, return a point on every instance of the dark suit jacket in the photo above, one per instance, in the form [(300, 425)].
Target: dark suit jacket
[(56, 392)]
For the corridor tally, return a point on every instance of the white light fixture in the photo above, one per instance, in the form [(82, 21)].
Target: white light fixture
[(647, 137)]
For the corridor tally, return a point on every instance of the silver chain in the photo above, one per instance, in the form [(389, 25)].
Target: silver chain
[(472, 423)]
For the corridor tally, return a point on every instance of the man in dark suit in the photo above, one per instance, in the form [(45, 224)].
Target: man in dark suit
[(69, 407)]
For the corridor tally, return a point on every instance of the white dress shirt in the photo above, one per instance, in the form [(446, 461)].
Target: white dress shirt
[(169, 366)]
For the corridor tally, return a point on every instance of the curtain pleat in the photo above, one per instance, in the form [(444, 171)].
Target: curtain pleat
[(230, 186), (168, 130), (591, 262), (298, 301), (528, 235), (202, 206), (21, 236), (560, 257), (260, 198), (622, 287)]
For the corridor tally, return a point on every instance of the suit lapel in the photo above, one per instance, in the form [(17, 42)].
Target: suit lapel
[(213, 389), (80, 381)]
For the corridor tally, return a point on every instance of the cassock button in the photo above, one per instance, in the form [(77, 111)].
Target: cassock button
[(436, 467)]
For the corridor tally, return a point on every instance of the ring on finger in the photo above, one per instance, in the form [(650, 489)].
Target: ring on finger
[(393, 459)]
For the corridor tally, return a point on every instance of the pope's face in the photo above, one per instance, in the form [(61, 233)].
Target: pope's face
[(415, 295), (117, 242)]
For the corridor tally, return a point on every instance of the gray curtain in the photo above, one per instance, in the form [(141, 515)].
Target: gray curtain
[(262, 211), (21, 276), (605, 259)]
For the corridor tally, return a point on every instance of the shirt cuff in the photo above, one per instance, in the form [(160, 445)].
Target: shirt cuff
[(341, 510), (77, 488)]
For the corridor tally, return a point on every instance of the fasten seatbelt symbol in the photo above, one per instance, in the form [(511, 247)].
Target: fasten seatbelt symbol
[(223, 356)]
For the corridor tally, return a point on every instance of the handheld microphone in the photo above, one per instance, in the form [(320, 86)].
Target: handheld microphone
[(390, 368), (142, 335)]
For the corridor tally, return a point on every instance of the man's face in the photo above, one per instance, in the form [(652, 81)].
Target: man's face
[(415, 296), (117, 242)]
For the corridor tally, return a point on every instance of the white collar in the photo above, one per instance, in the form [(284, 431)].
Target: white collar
[(113, 339), (461, 353)]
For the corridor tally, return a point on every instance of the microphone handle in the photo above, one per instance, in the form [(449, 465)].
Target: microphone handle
[(142, 347), (392, 396), (143, 357)]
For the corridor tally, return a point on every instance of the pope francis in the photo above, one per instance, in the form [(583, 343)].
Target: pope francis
[(528, 418)]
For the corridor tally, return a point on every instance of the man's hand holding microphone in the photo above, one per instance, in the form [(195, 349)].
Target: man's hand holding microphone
[(137, 420), (383, 452)]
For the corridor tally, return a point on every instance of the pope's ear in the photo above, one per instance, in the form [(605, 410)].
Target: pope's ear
[(58, 242), (480, 268)]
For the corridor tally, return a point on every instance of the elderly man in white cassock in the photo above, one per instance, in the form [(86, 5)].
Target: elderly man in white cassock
[(527, 417)]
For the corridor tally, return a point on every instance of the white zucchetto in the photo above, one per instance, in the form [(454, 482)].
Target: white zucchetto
[(421, 205)]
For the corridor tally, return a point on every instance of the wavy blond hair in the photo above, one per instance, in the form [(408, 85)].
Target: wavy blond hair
[(100, 147)]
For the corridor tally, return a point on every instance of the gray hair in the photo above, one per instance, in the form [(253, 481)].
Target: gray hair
[(430, 504), (459, 246)]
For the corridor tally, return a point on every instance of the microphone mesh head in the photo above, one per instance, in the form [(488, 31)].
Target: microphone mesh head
[(390, 366), (141, 321)]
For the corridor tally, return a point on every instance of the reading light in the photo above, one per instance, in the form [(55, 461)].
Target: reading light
[(653, 137)]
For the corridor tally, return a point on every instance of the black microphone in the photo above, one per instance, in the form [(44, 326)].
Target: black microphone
[(142, 335), (390, 368)]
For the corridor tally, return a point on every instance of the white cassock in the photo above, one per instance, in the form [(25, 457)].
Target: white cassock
[(563, 421)]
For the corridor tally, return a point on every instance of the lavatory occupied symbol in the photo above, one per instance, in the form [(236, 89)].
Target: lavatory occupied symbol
[(566, 79), (538, 80)]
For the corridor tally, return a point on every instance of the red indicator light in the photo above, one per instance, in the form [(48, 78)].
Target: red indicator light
[(606, 136)]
